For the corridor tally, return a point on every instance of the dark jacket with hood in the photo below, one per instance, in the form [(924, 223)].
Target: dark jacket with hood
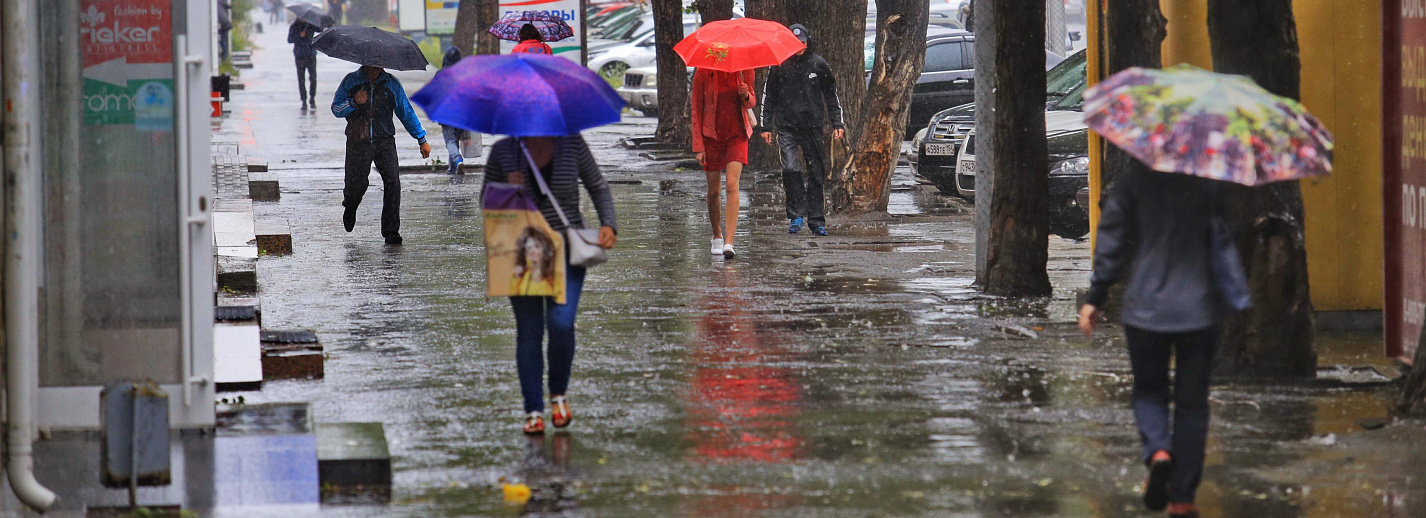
[(1184, 271), (302, 44), (801, 94), (452, 57)]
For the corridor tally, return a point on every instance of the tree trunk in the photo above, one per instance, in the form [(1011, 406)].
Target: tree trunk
[(1413, 393), (1276, 338), (864, 184), (1136, 31), (714, 10), (1017, 245), (472, 18), (675, 126)]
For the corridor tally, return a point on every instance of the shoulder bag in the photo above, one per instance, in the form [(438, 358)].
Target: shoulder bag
[(582, 244)]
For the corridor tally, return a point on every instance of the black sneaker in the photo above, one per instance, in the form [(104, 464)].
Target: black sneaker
[(394, 239), (349, 218), (820, 230), (1156, 488)]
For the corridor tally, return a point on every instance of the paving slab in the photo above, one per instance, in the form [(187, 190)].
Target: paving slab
[(263, 186), (274, 237), (237, 274)]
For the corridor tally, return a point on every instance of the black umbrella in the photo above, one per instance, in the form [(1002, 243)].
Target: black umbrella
[(370, 46), (311, 14)]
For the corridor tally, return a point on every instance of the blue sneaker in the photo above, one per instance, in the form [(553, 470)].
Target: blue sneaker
[(795, 226), (819, 230)]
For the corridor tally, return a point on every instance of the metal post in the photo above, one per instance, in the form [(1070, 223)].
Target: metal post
[(1055, 31), (22, 175)]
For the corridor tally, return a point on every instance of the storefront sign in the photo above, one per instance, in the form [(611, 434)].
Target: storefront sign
[(441, 17), (127, 48), (1404, 180), (567, 10)]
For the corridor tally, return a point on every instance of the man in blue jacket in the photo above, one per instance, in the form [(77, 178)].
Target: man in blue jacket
[(368, 98)]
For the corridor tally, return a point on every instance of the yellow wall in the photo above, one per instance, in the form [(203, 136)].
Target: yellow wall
[(1340, 43)]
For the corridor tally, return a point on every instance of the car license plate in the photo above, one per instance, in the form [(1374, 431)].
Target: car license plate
[(940, 149), (967, 167)]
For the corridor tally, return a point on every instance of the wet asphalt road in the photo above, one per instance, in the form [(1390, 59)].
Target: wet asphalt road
[(855, 375)]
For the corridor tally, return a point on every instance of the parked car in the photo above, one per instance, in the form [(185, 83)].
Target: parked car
[(640, 90), (613, 62), (1068, 140), (936, 157), (948, 75)]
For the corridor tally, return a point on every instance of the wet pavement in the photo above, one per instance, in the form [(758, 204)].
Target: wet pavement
[(855, 375)]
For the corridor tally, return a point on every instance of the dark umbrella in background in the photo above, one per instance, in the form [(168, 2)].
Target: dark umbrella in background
[(370, 46), (551, 26), (311, 14)]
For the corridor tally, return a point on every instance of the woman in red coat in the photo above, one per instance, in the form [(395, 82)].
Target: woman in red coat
[(531, 42), (721, 128)]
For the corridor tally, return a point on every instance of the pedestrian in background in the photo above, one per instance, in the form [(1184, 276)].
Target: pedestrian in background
[(721, 127), (531, 42), (1185, 277), (274, 11), (451, 134), (800, 95), (300, 35), (368, 98), (334, 8), (564, 163)]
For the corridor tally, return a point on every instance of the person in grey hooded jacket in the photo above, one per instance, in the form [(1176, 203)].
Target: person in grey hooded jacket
[(1184, 278)]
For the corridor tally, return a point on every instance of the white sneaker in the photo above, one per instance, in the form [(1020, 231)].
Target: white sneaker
[(728, 252), (717, 246)]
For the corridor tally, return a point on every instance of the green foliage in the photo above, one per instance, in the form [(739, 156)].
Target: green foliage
[(431, 48)]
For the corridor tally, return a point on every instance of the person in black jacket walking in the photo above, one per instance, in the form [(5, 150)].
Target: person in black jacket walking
[(800, 95), (300, 35), (1185, 277)]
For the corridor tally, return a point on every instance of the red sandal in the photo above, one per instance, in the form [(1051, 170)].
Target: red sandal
[(535, 424), (559, 412)]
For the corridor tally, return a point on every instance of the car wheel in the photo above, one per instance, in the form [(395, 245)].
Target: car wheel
[(1069, 226), (613, 72), (649, 112)]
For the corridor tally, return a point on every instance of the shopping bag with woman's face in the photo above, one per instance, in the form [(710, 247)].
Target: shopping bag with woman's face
[(524, 256)]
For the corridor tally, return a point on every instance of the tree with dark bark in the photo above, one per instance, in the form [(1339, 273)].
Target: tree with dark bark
[(864, 184), (472, 18), (714, 10), (1275, 339), (675, 126), (1135, 36), (1017, 228)]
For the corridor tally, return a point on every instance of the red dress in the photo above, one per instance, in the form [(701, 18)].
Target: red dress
[(720, 126), (533, 47)]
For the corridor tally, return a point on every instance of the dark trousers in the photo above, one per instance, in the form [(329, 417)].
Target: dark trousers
[(533, 316), (360, 156), (804, 197), (308, 65), (1185, 436)]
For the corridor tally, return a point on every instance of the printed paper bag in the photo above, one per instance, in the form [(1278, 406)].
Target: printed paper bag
[(523, 255)]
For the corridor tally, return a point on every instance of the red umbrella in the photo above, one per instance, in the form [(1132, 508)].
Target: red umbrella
[(741, 44)]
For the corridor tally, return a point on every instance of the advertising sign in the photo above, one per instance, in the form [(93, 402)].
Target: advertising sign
[(441, 17), (127, 48), (1404, 180), (567, 10)]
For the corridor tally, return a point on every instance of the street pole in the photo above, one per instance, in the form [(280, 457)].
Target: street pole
[(1056, 32)]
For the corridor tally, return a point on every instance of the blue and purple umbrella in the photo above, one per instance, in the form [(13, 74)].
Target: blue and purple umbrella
[(551, 26), (521, 95)]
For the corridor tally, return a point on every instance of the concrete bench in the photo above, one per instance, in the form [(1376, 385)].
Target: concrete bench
[(352, 458), (237, 357)]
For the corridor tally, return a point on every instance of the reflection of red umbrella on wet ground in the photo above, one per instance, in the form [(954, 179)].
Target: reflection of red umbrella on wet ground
[(741, 44)]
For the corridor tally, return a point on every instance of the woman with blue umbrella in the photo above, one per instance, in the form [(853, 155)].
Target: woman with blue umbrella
[(542, 103)]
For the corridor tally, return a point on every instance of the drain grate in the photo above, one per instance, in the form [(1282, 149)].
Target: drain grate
[(290, 337), (234, 313)]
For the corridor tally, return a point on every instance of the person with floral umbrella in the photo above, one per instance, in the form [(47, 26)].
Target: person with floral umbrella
[(1198, 130)]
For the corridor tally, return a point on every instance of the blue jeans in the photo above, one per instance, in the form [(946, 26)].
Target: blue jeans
[(533, 315), (1187, 435), (452, 136)]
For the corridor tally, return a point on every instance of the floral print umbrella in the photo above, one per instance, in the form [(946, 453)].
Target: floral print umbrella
[(550, 25), (1188, 120)]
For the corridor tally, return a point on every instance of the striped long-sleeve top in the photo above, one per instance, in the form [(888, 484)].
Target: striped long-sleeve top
[(573, 164)]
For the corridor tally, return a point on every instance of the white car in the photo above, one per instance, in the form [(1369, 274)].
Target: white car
[(614, 61), (640, 90)]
